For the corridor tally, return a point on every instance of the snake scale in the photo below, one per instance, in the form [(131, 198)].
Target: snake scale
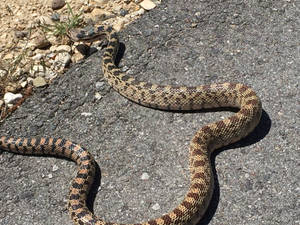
[(205, 141)]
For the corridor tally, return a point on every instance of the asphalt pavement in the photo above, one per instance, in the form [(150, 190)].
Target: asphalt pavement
[(143, 153)]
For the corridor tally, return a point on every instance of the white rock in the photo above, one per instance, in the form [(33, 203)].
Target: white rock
[(145, 176), (23, 84), (156, 206), (86, 114), (148, 4), (37, 70), (11, 97), (98, 96), (54, 168), (99, 85), (62, 59)]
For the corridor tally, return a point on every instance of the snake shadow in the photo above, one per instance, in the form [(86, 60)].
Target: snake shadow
[(97, 181), (94, 189), (255, 136)]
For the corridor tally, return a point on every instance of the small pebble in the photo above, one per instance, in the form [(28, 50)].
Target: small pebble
[(198, 14), (23, 84), (148, 4), (57, 4), (99, 85), (145, 176), (36, 69), (98, 96), (54, 168), (86, 114), (156, 207), (10, 98), (63, 59), (41, 43), (39, 82)]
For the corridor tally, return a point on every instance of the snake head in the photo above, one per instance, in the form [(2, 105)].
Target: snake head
[(87, 34)]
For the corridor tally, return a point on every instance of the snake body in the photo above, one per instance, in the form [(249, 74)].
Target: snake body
[(205, 141)]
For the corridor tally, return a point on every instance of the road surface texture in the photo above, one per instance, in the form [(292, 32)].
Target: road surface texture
[(143, 153)]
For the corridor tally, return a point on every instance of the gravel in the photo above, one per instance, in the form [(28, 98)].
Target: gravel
[(257, 179)]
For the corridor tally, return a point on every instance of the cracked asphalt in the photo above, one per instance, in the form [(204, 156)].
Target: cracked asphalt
[(143, 153)]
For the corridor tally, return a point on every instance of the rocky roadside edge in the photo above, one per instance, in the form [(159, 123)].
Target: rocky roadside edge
[(34, 48)]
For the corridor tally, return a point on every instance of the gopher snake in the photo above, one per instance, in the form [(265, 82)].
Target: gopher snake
[(207, 139)]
